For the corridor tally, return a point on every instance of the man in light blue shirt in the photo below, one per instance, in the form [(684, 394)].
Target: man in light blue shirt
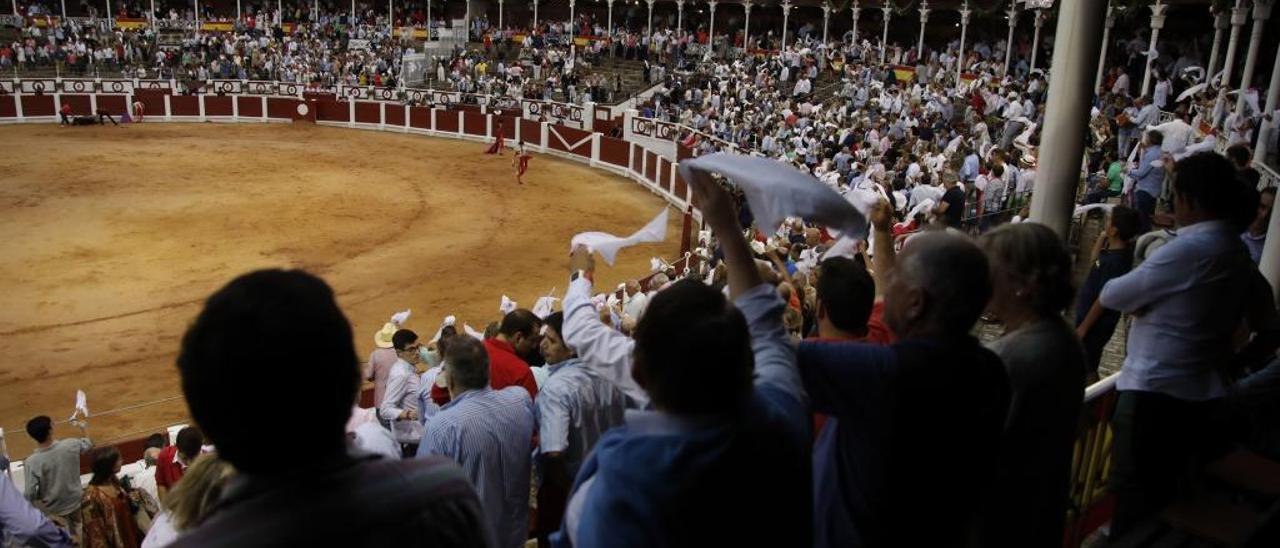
[(969, 171), (21, 523), (489, 433), (1148, 177), (1188, 301)]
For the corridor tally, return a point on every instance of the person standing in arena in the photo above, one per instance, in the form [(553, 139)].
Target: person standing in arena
[(498, 140), (521, 162)]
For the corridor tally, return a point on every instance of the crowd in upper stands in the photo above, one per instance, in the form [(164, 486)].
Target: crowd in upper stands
[(790, 389)]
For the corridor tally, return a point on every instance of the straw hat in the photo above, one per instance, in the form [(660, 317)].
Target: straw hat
[(382, 339)]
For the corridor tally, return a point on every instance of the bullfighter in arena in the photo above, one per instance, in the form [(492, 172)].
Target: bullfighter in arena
[(520, 162), (496, 148), (138, 110)]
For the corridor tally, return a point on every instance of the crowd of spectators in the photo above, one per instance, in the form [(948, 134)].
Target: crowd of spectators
[(837, 381)]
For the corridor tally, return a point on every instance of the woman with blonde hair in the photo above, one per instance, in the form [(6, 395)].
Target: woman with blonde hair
[(190, 501), (1031, 287)]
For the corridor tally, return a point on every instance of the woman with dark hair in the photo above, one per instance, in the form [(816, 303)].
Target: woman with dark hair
[(107, 509), (1031, 282)]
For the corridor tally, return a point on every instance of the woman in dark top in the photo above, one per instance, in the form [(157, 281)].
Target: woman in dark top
[(1031, 287), (1112, 257)]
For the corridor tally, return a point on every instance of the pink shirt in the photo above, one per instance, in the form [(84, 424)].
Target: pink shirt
[(377, 369)]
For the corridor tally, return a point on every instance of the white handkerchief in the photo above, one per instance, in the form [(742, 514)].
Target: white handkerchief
[(925, 206), (608, 245), (776, 191), (82, 405), (466, 327), (507, 305), (448, 320), (400, 317), (1082, 209)]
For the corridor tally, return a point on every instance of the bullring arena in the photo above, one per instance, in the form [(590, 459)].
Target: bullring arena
[(115, 235)]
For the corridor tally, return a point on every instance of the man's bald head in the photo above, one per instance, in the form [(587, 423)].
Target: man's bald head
[(940, 285)]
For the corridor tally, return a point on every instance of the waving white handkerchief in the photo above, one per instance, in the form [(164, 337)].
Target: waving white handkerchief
[(1082, 209), (776, 191), (608, 245), (82, 405), (507, 305), (448, 321), (400, 317), (544, 307), (466, 327)]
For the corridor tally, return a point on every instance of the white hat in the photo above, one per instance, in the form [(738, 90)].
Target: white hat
[(382, 339)]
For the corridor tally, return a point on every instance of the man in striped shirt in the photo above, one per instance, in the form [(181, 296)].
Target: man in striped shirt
[(489, 433)]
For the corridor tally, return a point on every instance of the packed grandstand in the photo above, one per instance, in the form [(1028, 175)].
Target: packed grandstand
[(924, 295)]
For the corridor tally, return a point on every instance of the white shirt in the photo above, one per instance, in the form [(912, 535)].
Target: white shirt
[(601, 347), (1177, 135), (635, 305), (401, 393)]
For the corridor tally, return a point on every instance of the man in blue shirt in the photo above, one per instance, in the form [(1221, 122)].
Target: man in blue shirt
[(489, 433), (722, 456), (1189, 300), (1148, 177), (969, 171)]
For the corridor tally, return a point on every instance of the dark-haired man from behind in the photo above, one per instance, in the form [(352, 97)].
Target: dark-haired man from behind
[(517, 337), (722, 456), (174, 459), (1190, 299), (284, 328), (52, 473), (936, 387)]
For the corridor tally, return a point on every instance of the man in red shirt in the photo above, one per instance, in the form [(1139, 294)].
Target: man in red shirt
[(518, 335), (174, 459)]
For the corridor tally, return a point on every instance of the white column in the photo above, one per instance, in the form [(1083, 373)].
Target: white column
[(884, 38), (15, 7), (535, 12), (857, 11), (609, 30), (500, 15), (826, 20), (649, 27), (1157, 22), (391, 14), (1067, 111), (786, 13), (151, 17), (237, 10), (1106, 36), (353, 11), (1270, 262), (924, 19), (196, 14), (64, 8), (679, 16), (108, 2), (1012, 16), (1261, 13), (315, 13), (964, 30), (1239, 15), (711, 29), (1221, 19), (572, 32), (1273, 94), (1038, 21), (746, 26)]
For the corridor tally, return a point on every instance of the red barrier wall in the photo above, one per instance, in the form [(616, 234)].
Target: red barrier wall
[(569, 140), (368, 113), (38, 105), (184, 105), (113, 104), (8, 106), (530, 132), (420, 117), (395, 115), (332, 111), (474, 123), (614, 151), (79, 104), (447, 120), (285, 108), (152, 101), (250, 107), (218, 105)]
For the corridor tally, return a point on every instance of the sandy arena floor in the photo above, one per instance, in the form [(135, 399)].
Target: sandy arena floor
[(113, 237)]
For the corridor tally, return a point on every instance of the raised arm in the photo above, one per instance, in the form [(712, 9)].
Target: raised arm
[(883, 261), (603, 348), (774, 354)]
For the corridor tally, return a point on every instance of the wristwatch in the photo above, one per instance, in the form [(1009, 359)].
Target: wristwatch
[(581, 274)]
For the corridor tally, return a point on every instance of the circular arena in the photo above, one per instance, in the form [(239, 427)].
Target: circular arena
[(111, 249)]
